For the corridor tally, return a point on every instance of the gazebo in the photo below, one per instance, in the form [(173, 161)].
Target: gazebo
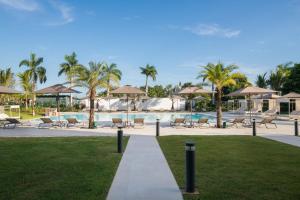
[(12, 108), (56, 90)]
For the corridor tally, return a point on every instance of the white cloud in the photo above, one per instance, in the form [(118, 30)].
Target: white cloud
[(65, 11), (25, 5), (212, 30)]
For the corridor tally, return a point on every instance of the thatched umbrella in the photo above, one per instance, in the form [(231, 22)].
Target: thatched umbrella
[(249, 91), (7, 90), (56, 90), (190, 91), (128, 90)]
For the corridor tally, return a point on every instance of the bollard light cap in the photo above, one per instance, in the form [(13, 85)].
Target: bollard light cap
[(190, 143)]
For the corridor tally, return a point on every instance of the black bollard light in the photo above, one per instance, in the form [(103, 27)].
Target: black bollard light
[(157, 127), (120, 140), (296, 127), (190, 167), (254, 128)]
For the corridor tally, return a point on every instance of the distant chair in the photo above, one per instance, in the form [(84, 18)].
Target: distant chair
[(117, 122), (267, 120), (271, 112), (72, 122), (11, 123), (178, 122), (47, 123), (138, 123), (201, 122), (236, 122)]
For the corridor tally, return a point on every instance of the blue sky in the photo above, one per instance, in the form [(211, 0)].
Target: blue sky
[(177, 36)]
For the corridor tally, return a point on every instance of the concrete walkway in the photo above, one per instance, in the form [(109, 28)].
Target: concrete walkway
[(144, 173), (287, 139)]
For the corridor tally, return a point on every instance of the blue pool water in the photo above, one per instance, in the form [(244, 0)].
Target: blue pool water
[(149, 117)]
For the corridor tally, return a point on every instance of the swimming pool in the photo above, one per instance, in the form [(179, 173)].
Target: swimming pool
[(148, 117)]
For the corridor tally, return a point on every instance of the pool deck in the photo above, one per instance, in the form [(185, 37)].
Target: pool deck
[(283, 129)]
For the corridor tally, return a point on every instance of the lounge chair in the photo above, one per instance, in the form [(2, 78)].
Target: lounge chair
[(72, 122), (138, 123), (201, 122), (178, 122), (47, 123), (117, 122), (236, 122), (253, 111), (271, 112), (295, 114), (11, 123), (267, 120)]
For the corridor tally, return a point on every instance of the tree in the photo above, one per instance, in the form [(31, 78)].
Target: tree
[(292, 83), (91, 78), (26, 85), (151, 71), (279, 76), (69, 69), (221, 76), (7, 77), (36, 72), (156, 91), (262, 81), (112, 76)]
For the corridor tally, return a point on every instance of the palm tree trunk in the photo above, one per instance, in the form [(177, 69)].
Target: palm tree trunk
[(219, 108), (146, 86), (108, 89), (26, 102), (33, 99), (92, 112), (71, 95)]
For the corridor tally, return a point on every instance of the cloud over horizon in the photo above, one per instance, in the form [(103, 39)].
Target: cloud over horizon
[(212, 30), (24, 5)]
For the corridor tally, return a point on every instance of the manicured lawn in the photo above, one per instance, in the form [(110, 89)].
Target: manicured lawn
[(26, 115), (237, 167), (57, 168)]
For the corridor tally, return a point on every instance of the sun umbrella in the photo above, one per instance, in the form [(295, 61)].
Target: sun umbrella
[(190, 91), (128, 90), (56, 89), (251, 90), (7, 90)]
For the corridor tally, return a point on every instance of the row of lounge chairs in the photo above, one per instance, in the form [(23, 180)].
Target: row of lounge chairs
[(139, 123)]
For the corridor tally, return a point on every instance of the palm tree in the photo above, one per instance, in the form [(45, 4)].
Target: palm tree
[(36, 72), (91, 78), (261, 80), (69, 69), (26, 85), (221, 76), (151, 71), (279, 76), (111, 75), (7, 77)]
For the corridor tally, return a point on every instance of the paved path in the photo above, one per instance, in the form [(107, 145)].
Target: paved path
[(144, 173), (288, 139)]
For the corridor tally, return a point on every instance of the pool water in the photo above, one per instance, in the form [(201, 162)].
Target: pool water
[(148, 117)]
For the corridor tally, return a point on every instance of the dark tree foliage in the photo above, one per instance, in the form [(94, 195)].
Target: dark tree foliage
[(292, 84)]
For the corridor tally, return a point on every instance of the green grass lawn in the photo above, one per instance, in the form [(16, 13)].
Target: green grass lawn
[(57, 168), (25, 115), (237, 167)]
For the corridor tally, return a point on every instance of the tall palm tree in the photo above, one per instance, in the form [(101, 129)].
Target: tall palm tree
[(69, 69), (112, 76), (26, 85), (221, 76), (36, 72), (279, 76), (7, 77), (151, 71), (261, 80), (91, 78)]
